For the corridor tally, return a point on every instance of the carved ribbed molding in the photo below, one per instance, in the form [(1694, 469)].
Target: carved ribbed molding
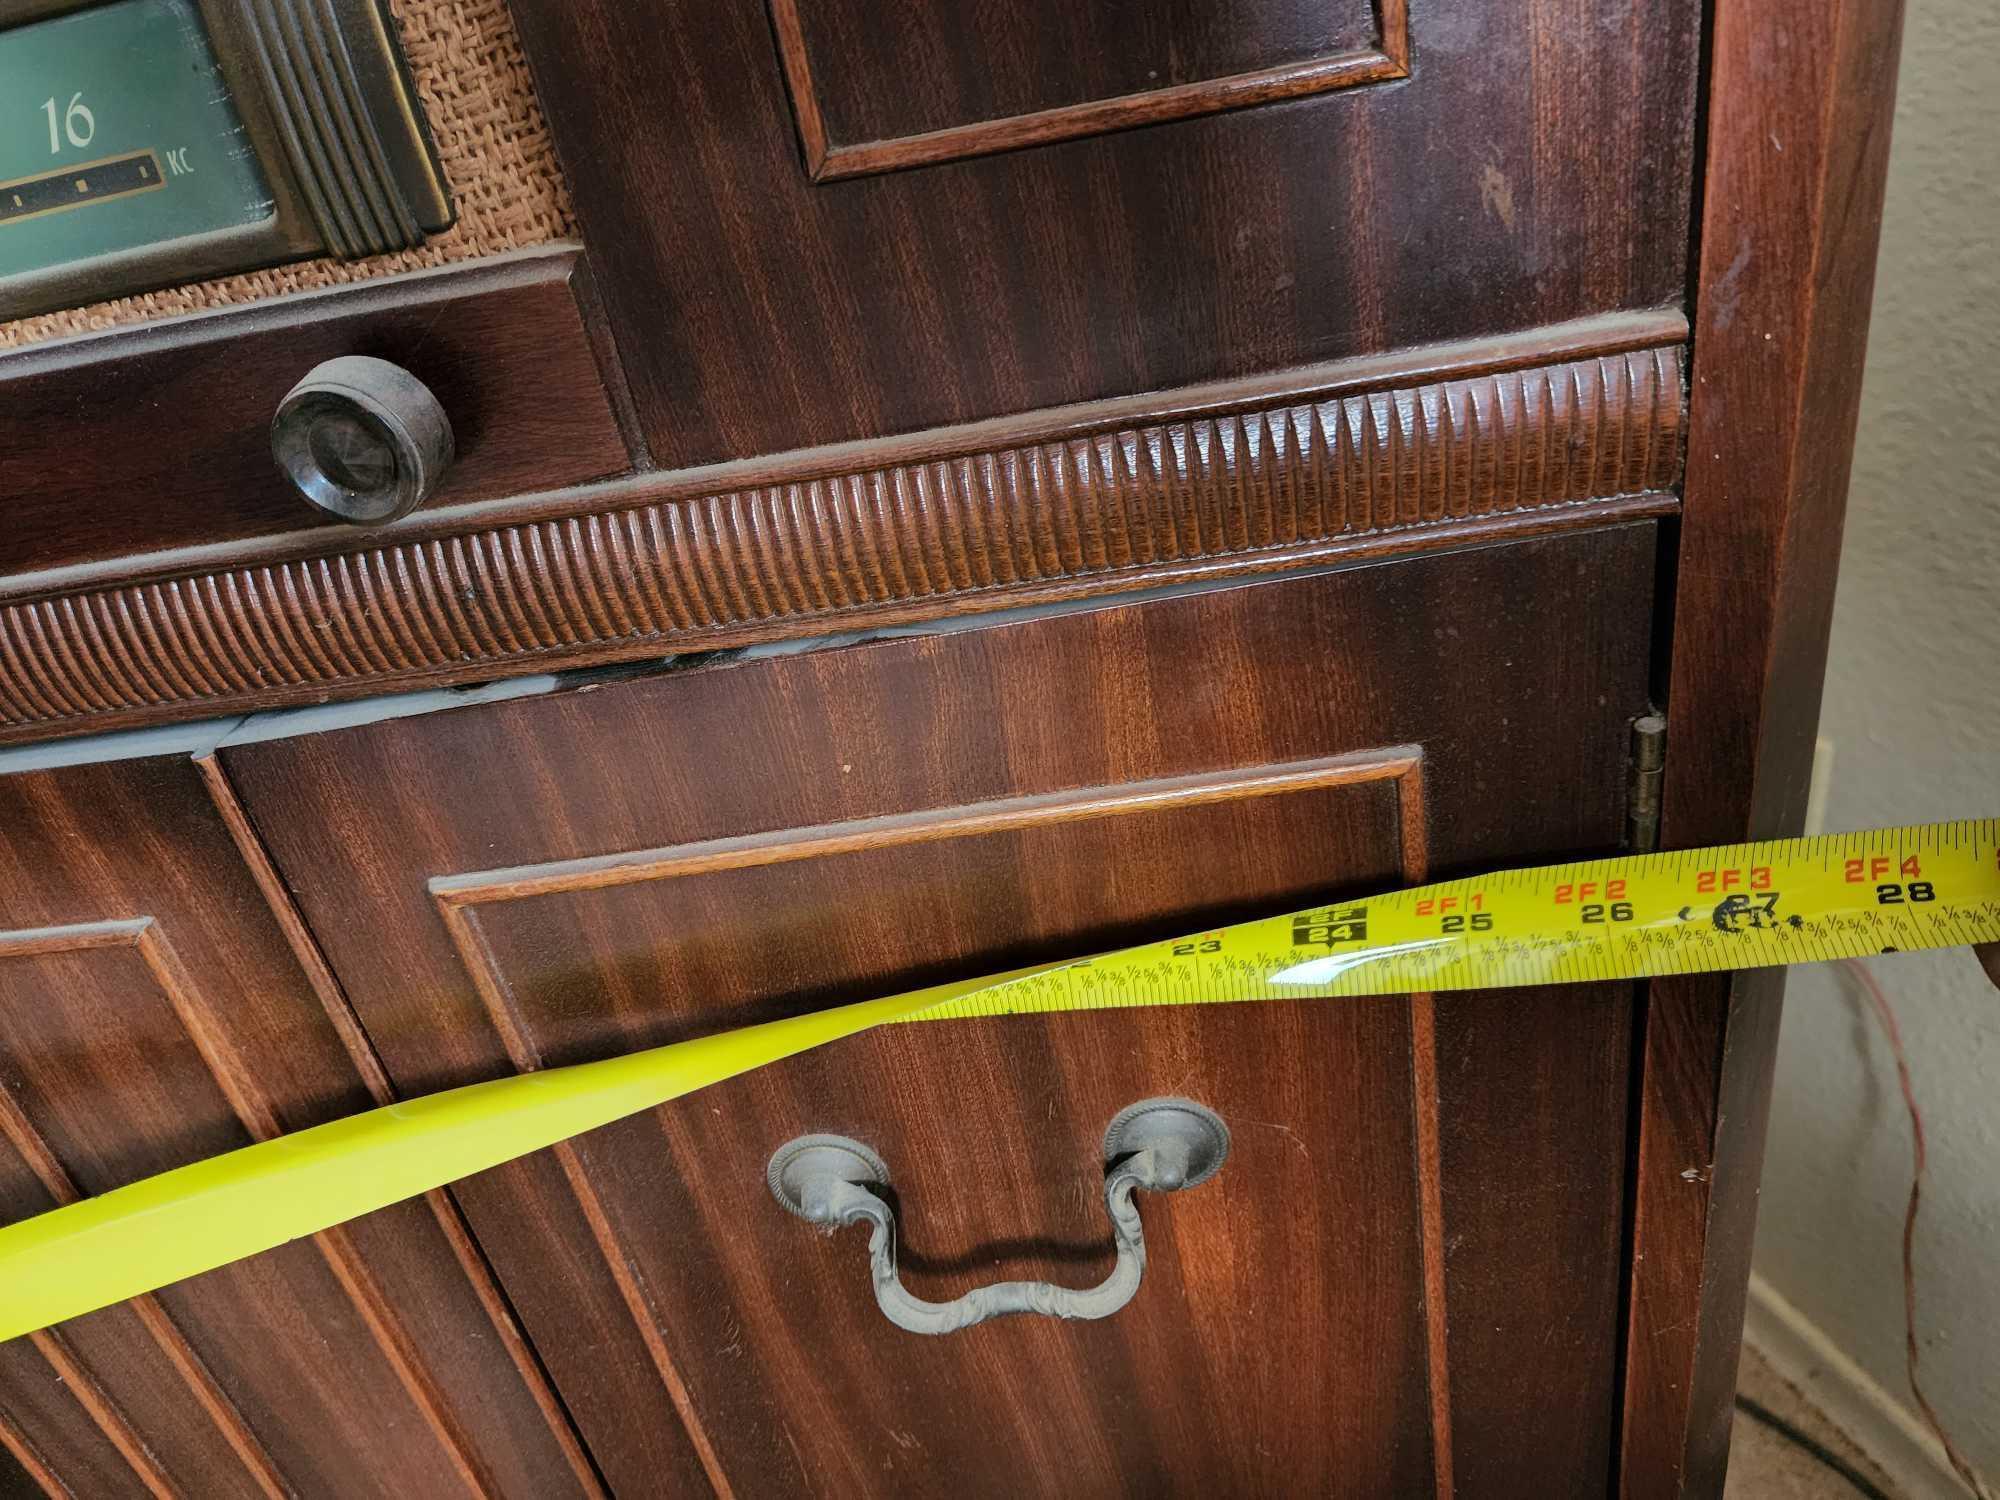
[(1241, 491), (309, 59)]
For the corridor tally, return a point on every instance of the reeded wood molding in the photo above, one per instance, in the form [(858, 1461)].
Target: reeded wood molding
[(1421, 364), (1271, 485)]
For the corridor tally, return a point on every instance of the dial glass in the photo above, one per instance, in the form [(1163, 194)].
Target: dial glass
[(117, 134)]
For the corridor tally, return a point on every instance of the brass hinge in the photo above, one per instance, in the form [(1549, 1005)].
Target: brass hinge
[(1642, 792)]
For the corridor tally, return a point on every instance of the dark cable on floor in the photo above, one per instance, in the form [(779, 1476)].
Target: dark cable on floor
[(1758, 1412), (1886, 1014)]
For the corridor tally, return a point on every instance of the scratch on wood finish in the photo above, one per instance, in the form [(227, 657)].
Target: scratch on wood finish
[(459, 897), (254, 1110), (103, 1411), (1237, 491), (826, 159), (1414, 818)]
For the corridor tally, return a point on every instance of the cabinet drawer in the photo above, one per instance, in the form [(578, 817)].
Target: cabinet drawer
[(1352, 1294)]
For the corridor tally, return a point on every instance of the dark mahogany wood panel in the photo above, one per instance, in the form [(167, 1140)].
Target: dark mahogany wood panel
[(876, 90), (151, 1014), (1534, 167), (137, 440), (1803, 96), (1183, 760), (17, 1481), (992, 1131), (1231, 480)]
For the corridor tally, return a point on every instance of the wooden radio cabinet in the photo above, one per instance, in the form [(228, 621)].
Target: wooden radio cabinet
[(980, 484)]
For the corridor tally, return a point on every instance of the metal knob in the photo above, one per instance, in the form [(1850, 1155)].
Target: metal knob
[(1158, 1145), (362, 439)]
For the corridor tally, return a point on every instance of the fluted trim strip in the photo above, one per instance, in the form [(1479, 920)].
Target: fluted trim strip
[(335, 149), (982, 529)]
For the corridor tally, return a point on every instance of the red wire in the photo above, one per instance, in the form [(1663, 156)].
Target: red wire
[(1886, 1014)]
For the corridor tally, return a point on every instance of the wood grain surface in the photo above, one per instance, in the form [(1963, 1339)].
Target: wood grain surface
[(1218, 488), (150, 1015), (124, 443), (1803, 94), (1534, 167), (919, 315), (931, 83), (870, 800)]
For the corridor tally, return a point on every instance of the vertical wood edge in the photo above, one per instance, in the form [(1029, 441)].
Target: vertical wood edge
[(1801, 96), (1393, 19), (1413, 831), (598, 332)]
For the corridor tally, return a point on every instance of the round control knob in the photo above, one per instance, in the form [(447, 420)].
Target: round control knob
[(362, 439)]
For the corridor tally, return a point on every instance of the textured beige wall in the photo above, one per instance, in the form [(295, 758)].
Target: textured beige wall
[(1913, 712)]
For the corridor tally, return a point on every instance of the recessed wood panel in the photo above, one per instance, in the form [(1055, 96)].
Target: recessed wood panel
[(571, 876), (1534, 167), (694, 939), (878, 89), (151, 1015)]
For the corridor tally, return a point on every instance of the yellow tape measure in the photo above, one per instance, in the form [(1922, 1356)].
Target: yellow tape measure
[(1747, 906)]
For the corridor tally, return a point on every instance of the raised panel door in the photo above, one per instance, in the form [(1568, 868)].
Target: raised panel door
[(1411, 1259)]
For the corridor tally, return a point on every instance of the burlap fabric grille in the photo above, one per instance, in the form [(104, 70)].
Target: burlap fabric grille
[(491, 139)]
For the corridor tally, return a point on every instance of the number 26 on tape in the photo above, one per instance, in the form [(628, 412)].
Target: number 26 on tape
[(1596, 901)]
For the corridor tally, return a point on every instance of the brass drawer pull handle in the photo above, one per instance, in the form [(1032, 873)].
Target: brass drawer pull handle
[(1161, 1145)]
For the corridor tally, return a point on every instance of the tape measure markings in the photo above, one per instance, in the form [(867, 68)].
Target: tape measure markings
[(1772, 903), (1745, 906)]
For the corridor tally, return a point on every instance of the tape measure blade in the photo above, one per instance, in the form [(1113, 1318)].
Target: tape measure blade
[(1766, 904)]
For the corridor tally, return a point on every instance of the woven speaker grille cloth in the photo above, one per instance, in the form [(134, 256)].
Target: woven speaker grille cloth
[(491, 139)]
